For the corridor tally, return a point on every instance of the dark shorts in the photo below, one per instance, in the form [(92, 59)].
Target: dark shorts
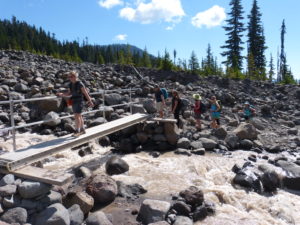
[(197, 115), (77, 106)]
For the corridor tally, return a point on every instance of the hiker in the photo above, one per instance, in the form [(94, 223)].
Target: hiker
[(160, 100), (77, 92), (198, 110), (249, 111), (215, 112), (176, 105)]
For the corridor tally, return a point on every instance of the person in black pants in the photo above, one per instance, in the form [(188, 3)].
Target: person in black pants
[(176, 103)]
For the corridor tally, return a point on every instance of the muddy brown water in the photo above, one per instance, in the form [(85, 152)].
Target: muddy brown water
[(168, 174)]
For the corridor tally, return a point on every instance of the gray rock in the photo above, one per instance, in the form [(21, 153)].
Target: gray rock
[(21, 87), (246, 131), (31, 189), (49, 105), (152, 211), (196, 144), (171, 133), (7, 190), (192, 196), (102, 188), (159, 223), (15, 215), (53, 118), (7, 179), (138, 108), (76, 215), (97, 218), (182, 151), (183, 143), (149, 105), (55, 214), (258, 124), (293, 131), (11, 201), (220, 132), (51, 198), (97, 122), (183, 220), (113, 99), (116, 165), (246, 144), (208, 143), (84, 200)]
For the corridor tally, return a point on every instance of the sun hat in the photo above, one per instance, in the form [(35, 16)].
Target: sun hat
[(246, 103), (197, 97)]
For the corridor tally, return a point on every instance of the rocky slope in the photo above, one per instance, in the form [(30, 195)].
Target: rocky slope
[(272, 137)]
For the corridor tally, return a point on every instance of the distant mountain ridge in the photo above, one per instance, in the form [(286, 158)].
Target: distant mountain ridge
[(21, 36)]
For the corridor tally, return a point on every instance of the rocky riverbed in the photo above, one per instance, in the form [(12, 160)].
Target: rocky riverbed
[(240, 173)]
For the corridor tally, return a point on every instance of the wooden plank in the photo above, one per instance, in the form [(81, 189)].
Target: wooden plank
[(164, 120), (41, 175), (37, 152)]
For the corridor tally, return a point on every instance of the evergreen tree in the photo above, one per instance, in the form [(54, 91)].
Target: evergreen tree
[(271, 69), (285, 74), (174, 54), (193, 63), (146, 62), (234, 29), (256, 44), (167, 62)]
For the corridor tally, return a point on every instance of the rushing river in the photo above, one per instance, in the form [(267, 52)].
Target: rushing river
[(170, 173)]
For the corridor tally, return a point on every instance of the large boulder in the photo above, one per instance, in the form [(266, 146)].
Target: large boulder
[(55, 214), (116, 165), (193, 196), (15, 215), (76, 215), (32, 189), (52, 119), (97, 218), (246, 131), (102, 188), (113, 99), (149, 105), (208, 143), (49, 105), (153, 211), (171, 133), (81, 198)]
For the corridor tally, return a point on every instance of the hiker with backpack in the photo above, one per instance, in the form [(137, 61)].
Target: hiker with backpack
[(176, 105), (215, 109), (77, 92), (199, 108), (249, 111), (160, 98)]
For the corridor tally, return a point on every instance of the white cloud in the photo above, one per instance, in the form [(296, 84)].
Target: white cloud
[(121, 37), (155, 10), (170, 27), (110, 3), (210, 18)]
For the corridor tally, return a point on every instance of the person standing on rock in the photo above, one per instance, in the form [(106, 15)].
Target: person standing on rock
[(77, 92), (176, 105), (160, 100), (198, 109), (249, 111), (215, 109)]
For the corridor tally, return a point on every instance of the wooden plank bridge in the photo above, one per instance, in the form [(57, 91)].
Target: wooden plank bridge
[(19, 162)]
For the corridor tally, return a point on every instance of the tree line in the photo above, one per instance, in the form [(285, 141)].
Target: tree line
[(21, 36), (256, 46)]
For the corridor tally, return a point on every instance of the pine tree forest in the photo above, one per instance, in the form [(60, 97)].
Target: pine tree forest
[(18, 35)]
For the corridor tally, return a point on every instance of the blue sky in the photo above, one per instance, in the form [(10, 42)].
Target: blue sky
[(184, 25)]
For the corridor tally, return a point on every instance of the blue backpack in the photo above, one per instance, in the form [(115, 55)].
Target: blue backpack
[(165, 93)]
